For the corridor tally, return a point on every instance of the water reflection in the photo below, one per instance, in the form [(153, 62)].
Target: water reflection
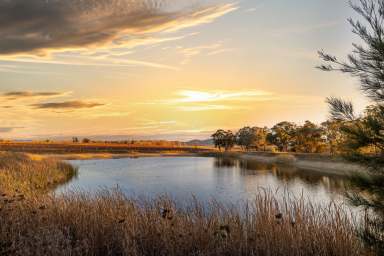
[(225, 179), (287, 174)]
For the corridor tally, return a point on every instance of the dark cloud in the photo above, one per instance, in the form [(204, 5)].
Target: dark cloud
[(27, 94), (38, 26), (8, 129), (67, 105)]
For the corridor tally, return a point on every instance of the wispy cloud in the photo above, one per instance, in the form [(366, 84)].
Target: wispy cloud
[(193, 101), (149, 126), (190, 96), (67, 105), (250, 10), (93, 23), (202, 107), (219, 51), (13, 95), (192, 51), (90, 62), (9, 129), (208, 50)]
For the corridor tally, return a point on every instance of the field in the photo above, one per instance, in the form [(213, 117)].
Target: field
[(35, 222), (98, 147)]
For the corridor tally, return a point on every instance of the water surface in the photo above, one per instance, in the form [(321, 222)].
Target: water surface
[(223, 179)]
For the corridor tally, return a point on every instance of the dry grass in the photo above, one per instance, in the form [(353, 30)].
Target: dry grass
[(98, 147), (29, 174), (108, 223)]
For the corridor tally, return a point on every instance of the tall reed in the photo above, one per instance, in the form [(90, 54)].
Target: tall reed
[(108, 223)]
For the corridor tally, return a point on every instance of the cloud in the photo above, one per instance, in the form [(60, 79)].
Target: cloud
[(9, 129), (67, 105), (190, 96), (198, 108), (28, 94), (190, 52), (39, 27), (195, 101), (93, 62), (251, 10)]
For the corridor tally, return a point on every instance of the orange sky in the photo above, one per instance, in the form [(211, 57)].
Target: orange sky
[(170, 70)]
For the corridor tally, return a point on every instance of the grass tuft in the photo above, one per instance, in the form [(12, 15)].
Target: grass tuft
[(28, 174)]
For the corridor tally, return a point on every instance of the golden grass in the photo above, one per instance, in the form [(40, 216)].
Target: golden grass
[(28, 174), (109, 223), (99, 147)]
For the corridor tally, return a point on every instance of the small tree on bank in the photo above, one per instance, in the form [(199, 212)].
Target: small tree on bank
[(309, 138), (245, 137), (224, 139), (254, 137), (283, 135), (86, 141)]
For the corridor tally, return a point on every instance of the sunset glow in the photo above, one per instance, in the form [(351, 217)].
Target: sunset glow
[(166, 69)]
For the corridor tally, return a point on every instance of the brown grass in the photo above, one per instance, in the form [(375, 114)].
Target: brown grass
[(109, 223), (98, 147), (29, 174)]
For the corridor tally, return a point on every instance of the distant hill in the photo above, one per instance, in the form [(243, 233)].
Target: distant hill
[(208, 142)]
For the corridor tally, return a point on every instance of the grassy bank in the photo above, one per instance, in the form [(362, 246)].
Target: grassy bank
[(109, 223), (29, 174)]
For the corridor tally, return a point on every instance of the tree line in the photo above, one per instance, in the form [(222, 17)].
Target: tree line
[(285, 137)]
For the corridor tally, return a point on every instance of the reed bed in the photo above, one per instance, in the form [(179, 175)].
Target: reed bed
[(109, 223), (32, 174)]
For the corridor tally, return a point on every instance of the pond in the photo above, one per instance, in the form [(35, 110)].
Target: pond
[(222, 179)]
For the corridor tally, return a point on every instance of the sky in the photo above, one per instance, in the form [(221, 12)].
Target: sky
[(172, 69)]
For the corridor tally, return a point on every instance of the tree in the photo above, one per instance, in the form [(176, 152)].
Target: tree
[(309, 138), (282, 135), (86, 140), (261, 137), (333, 135), (245, 137), (366, 63), (224, 139), (75, 140), (218, 139), (229, 140), (248, 137)]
